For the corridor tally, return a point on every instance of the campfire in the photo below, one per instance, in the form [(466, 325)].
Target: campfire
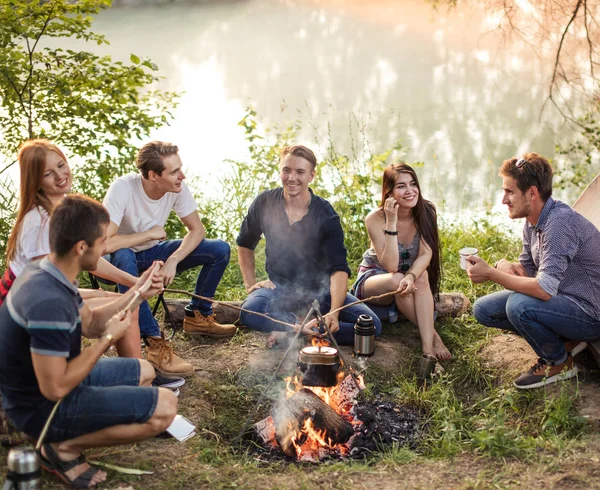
[(320, 415), (317, 418)]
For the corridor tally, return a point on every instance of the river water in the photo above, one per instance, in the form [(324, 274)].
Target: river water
[(442, 83)]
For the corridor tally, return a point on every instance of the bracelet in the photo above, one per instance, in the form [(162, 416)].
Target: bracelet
[(409, 273), (388, 232)]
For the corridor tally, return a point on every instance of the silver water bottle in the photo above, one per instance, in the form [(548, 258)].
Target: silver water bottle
[(364, 336), (23, 470)]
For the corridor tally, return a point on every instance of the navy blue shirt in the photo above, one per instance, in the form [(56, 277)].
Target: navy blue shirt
[(304, 254), (41, 316), (562, 251)]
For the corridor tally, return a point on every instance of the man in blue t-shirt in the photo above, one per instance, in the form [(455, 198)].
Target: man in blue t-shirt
[(103, 402), (306, 256)]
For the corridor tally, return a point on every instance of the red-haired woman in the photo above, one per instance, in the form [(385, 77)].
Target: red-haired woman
[(45, 180), (404, 255)]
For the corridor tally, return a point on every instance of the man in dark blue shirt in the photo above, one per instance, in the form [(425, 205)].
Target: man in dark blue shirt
[(552, 292), (305, 254), (103, 402)]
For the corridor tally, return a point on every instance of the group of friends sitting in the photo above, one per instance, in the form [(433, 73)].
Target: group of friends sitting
[(550, 296)]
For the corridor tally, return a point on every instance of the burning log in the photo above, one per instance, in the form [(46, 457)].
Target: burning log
[(290, 418)]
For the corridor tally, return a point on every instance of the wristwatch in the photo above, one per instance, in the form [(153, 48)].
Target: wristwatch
[(110, 338)]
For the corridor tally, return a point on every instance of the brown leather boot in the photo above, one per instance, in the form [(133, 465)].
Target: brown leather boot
[(160, 354), (201, 325)]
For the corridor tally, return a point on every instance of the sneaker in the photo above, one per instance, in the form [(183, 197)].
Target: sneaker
[(393, 314), (574, 347), (160, 354), (541, 374), (171, 382), (196, 324)]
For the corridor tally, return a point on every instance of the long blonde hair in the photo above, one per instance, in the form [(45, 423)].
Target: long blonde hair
[(32, 163)]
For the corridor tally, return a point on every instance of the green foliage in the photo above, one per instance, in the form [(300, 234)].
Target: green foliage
[(7, 214), (582, 153), (91, 106)]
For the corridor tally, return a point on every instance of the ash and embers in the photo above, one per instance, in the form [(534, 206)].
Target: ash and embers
[(383, 425)]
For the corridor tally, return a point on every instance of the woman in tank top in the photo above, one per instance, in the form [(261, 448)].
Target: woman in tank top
[(404, 255)]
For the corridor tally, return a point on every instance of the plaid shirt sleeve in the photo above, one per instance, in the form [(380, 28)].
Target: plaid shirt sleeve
[(558, 244), (526, 258)]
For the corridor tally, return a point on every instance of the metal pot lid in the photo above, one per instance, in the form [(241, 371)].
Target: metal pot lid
[(319, 355)]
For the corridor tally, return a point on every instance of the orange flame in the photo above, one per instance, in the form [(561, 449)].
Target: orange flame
[(319, 342), (311, 443)]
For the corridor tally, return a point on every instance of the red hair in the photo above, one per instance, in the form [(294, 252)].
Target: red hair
[(32, 163)]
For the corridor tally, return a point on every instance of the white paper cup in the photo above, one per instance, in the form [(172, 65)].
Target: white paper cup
[(464, 253)]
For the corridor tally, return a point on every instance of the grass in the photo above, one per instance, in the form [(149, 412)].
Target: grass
[(481, 431)]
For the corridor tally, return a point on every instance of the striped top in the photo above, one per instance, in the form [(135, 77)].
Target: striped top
[(41, 316), (371, 261)]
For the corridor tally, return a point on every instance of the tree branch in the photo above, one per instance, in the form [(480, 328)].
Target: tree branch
[(587, 35), (560, 44), (30, 52)]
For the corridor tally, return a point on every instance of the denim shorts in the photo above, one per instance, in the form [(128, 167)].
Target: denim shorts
[(110, 395), (363, 274)]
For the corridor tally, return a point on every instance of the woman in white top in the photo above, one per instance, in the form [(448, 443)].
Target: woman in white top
[(45, 180)]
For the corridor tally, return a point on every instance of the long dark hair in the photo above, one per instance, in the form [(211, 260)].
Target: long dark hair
[(425, 216)]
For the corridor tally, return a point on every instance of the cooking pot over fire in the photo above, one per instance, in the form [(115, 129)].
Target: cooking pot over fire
[(319, 365)]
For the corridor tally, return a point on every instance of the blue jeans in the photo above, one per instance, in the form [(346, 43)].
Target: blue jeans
[(110, 395), (282, 303), (543, 324), (212, 255)]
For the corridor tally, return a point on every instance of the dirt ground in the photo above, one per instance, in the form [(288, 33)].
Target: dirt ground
[(512, 355), (202, 462)]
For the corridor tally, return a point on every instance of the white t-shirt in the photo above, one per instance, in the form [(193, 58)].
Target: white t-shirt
[(33, 239), (133, 211)]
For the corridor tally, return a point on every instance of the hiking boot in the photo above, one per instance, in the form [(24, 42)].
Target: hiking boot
[(541, 374), (574, 347), (171, 382), (165, 361), (196, 324)]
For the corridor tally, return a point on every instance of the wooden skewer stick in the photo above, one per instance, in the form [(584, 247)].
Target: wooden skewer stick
[(238, 308), (143, 288)]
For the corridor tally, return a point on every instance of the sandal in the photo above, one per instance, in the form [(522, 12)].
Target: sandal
[(53, 464)]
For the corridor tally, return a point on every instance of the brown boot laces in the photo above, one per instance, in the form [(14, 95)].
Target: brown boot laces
[(164, 351)]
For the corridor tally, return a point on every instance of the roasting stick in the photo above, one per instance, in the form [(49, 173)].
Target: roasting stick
[(142, 289), (238, 308), (310, 314)]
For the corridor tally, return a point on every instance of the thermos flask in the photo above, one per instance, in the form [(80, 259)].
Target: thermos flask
[(23, 470), (364, 336)]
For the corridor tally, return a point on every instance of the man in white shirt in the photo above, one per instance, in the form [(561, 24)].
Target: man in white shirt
[(139, 206)]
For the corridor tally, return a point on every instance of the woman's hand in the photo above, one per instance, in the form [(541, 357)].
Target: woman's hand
[(390, 208), (151, 282), (407, 285)]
